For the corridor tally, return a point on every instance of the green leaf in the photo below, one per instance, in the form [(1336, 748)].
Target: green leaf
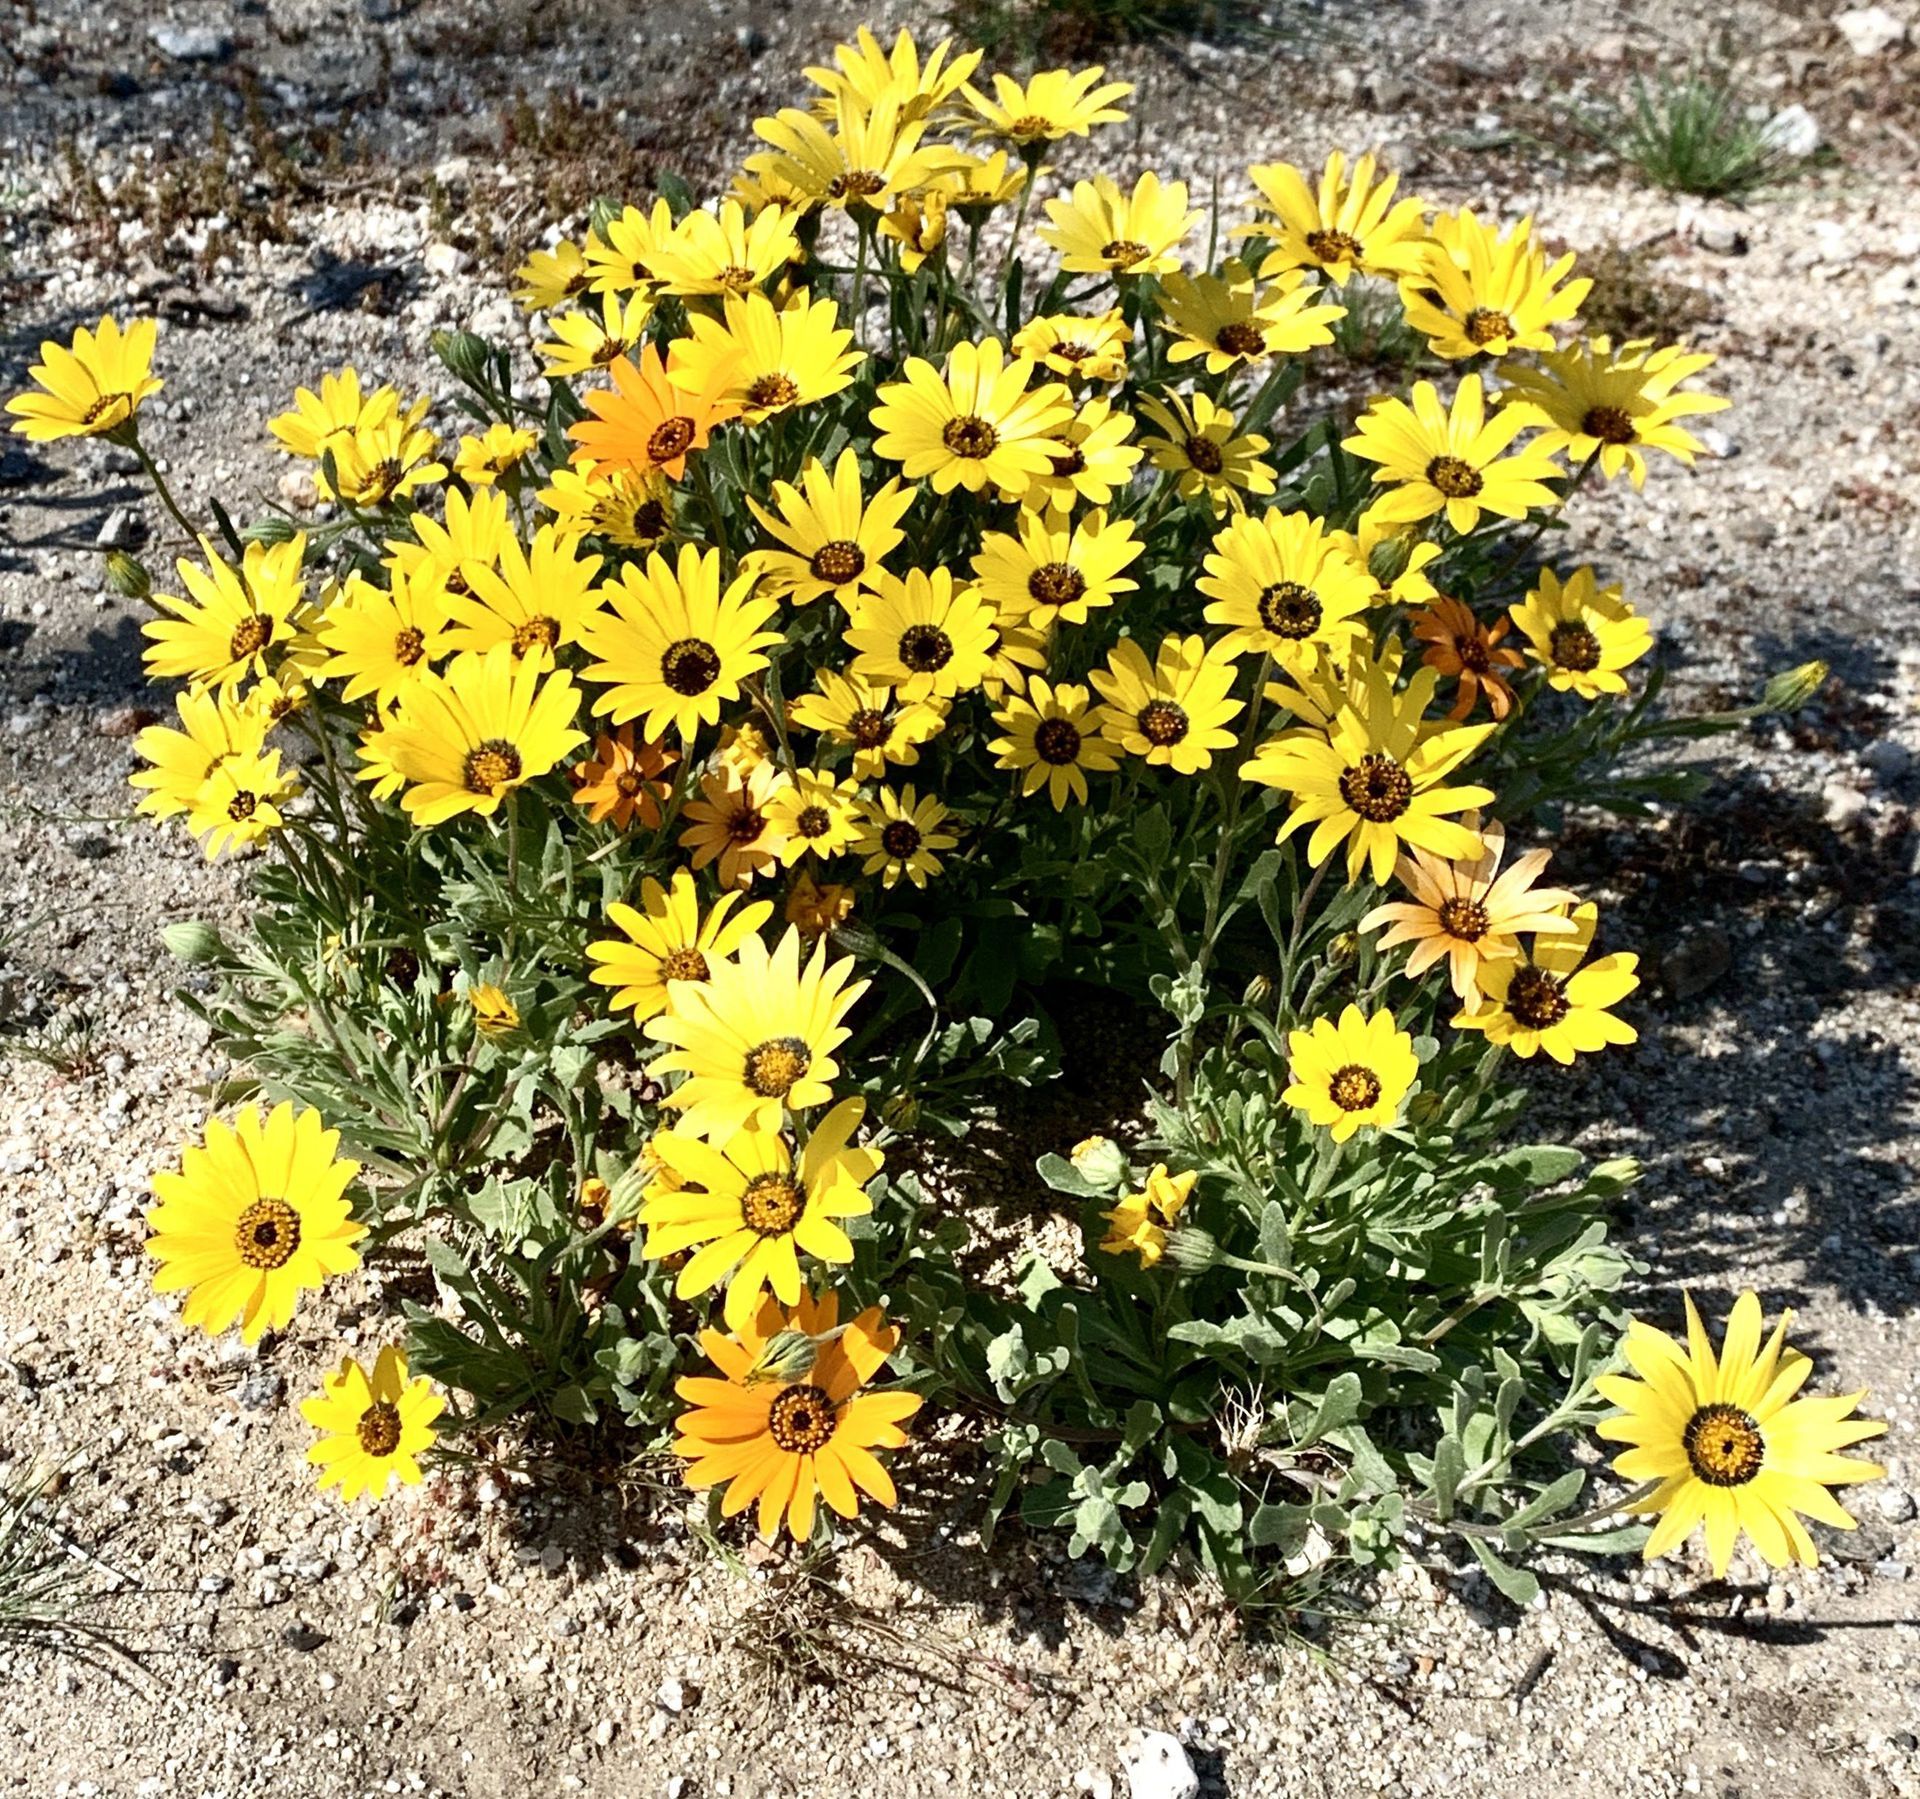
[(1449, 1470), (1339, 1405), (1522, 1587), (1551, 1499)]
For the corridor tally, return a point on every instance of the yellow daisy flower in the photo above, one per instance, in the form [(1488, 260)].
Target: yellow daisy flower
[(763, 359), (1227, 322), (900, 834), (592, 339), (731, 822), (481, 461), (918, 224), (1483, 292), (756, 1038), (1726, 1441), (625, 506), (620, 252), (1173, 711), (1371, 777), (833, 542), (239, 802), (924, 637), (550, 278), (870, 156), (1396, 558), (976, 186), (1348, 225), (747, 1212), (727, 252), (468, 738), (1082, 349), (1470, 912), (533, 603), (1613, 404), (378, 463), (318, 421), (1581, 633), (1453, 460), (1056, 103), (213, 730), (1137, 1223), (476, 530), (1198, 445), (869, 74), (976, 425), (790, 1440), (815, 814), (494, 1014), (870, 718), (377, 1427), (1547, 1001), (1102, 230), (1090, 461), (1051, 574), (89, 387), (666, 938), (816, 907), (1052, 735), (238, 622), (671, 647), (1287, 586), (1350, 1072), (252, 1218)]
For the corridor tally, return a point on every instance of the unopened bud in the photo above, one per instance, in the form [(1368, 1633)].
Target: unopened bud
[(1343, 948), (1100, 1162), (128, 575), (271, 530), (466, 355), (193, 941), (1259, 991), (789, 1355), (1193, 1249), (1791, 689)]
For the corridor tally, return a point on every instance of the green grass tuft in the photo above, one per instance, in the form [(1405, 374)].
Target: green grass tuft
[(1694, 135)]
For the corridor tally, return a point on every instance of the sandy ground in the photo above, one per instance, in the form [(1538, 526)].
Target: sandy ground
[(495, 1631)]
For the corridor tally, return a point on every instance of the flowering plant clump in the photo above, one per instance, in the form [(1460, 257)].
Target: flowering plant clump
[(679, 780)]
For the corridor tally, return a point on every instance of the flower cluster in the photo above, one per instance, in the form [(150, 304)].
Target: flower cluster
[(864, 569)]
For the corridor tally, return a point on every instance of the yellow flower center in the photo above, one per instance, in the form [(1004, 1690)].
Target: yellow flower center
[(250, 636), (1483, 325), (535, 634), (409, 645), (1056, 741), (856, 184), (684, 964), (801, 1421), (379, 1429), (1334, 246), (1536, 1000), (1162, 723), (1574, 647), (1354, 1088), (1456, 479), (925, 649), (1724, 1445), (774, 1066), (771, 1205), (1377, 788), (838, 561), (1289, 610), (767, 392), (491, 766), (671, 438), (736, 277), (267, 1234), (1030, 125), (1123, 253), (1463, 918), (970, 436), (1611, 424), (381, 480), (107, 412), (241, 807), (690, 666)]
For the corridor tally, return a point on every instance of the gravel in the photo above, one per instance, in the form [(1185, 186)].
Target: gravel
[(510, 1624)]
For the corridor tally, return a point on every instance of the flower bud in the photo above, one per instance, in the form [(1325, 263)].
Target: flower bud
[(790, 1355), (193, 941), (1259, 991), (1193, 1249), (1100, 1162), (1792, 688), (271, 530), (128, 575), (466, 355), (1343, 948)]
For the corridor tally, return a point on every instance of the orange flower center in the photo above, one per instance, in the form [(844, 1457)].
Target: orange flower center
[(409, 645), (535, 634), (1123, 253), (1724, 1445), (379, 1429), (1484, 325), (674, 437), (771, 1205), (773, 1067), (250, 636), (266, 1234), (802, 1420), (1377, 788), (491, 766), (684, 964)]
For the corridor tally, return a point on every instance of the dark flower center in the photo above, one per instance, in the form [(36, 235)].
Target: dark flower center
[(813, 821), (673, 437), (379, 1429), (900, 838), (491, 766), (1456, 479), (768, 392), (1377, 788), (1354, 1088), (925, 649), (683, 964), (801, 1421), (1205, 455), (856, 184), (1056, 584), (409, 645), (838, 561), (649, 521), (1123, 253), (1291, 611), (1724, 1445), (1536, 1000), (1162, 723), (735, 277), (868, 728), (744, 825), (1611, 424), (970, 436), (240, 808), (1334, 246), (1072, 463), (1483, 325), (535, 634), (1056, 741), (1574, 647), (266, 1234), (690, 666), (1463, 918), (1238, 338)]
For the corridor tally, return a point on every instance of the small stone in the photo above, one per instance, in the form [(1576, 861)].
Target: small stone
[(1841, 805), (1157, 1767), (1389, 92), (1720, 235), (445, 259), (565, 1624), (1888, 759), (261, 1390), (1890, 1570), (304, 1638), (750, 38), (675, 1695), (1696, 961), (604, 1732), (296, 487), (117, 531), (225, 1671), (1792, 131), (1717, 442), (1870, 30), (191, 43), (1096, 1783), (124, 721), (1895, 1504)]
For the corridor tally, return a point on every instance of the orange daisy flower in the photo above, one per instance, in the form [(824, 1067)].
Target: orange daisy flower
[(621, 780), (1460, 645), (1469, 911), (788, 1425), (730, 822), (645, 423)]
